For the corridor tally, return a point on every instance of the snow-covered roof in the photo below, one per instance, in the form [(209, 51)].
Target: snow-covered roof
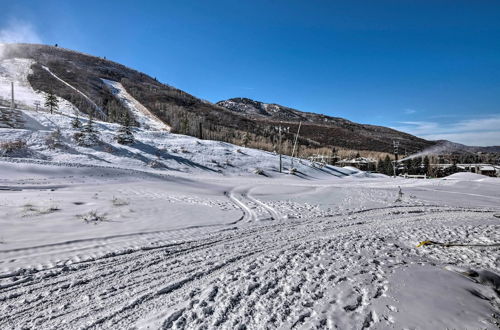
[(359, 160)]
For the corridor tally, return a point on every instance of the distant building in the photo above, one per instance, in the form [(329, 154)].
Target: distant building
[(488, 170), (361, 163), (483, 169)]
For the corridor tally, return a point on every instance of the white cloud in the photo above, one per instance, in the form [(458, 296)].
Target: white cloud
[(474, 132), (17, 31), (410, 111)]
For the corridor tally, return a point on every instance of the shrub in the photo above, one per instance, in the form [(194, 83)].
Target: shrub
[(258, 171), (54, 140), (118, 202), (156, 164), (11, 148), (93, 217)]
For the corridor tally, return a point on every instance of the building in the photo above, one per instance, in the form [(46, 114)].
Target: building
[(361, 163), (478, 168)]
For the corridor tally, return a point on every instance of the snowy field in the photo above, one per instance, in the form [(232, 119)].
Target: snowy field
[(234, 251), (176, 232)]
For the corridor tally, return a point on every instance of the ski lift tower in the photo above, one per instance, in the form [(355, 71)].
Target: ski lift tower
[(12, 103), (395, 144)]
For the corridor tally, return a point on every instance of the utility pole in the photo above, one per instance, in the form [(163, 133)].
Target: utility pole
[(279, 150), (396, 151), (295, 143), (12, 103)]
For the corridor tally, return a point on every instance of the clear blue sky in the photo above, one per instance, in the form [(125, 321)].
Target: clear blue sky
[(431, 68)]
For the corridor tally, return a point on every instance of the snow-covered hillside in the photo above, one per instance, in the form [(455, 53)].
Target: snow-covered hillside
[(176, 232), (142, 115), (154, 150), (17, 70)]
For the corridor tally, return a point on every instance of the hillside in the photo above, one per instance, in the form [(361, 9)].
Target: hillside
[(89, 84), (154, 151), (169, 231), (331, 131)]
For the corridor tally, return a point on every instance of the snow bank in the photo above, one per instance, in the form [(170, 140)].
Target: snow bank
[(466, 176)]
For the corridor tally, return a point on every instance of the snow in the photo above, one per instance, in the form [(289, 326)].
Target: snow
[(73, 88), (142, 115), (17, 70), (177, 232), (466, 176)]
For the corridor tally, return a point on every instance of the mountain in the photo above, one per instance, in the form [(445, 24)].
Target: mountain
[(94, 85), (326, 129)]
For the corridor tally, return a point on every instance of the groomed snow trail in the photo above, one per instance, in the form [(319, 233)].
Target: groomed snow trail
[(311, 273), (141, 114), (96, 107)]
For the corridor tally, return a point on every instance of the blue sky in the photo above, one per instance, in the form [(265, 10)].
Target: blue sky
[(431, 68)]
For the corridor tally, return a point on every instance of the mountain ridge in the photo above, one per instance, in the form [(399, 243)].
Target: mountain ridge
[(189, 115)]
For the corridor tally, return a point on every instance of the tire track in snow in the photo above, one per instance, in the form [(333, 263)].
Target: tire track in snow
[(267, 274), (275, 215)]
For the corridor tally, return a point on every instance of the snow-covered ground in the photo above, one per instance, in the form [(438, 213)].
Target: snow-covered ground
[(176, 232), (226, 251)]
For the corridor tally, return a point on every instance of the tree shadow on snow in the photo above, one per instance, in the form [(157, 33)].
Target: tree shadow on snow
[(163, 155), (73, 151)]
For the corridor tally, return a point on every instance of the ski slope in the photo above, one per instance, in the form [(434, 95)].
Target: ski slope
[(17, 70), (174, 232), (142, 115)]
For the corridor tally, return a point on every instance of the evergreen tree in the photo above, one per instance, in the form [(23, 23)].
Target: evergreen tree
[(88, 136), (246, 139), (125, 135), (54, 140), (51, 101), (427, 165), (184, 125), (380, 165), (388, 166), (76, 123)]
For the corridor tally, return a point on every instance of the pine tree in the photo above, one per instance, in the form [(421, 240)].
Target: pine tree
[(76, 123), (184, 125), (246, 139), (380, 165), (54, 140), (88, 136), (125, 135), (51, 101), (388, 165), (427, 165)]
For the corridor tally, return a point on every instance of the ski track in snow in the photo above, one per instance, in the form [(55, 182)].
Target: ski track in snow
[(313, 273)]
